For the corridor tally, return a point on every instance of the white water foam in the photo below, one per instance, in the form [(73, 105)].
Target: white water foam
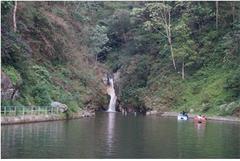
[(111, 93)]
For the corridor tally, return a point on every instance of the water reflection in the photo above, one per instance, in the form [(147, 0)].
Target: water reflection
[(38, 135), (110, 132), (200, 128)]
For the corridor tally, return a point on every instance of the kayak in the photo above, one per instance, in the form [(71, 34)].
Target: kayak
[(200, 119), (182, 117)]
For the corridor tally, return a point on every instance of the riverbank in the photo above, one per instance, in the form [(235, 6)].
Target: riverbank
[(6, 120), (191, 116)]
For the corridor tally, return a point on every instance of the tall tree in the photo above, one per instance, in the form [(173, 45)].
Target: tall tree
[(161, 15), (14, 17), (217, 14), (184, 46), (97, 40), (159, 18), (233, 11)]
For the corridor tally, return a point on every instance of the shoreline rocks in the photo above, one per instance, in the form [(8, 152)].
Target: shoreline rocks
[(154, 112)]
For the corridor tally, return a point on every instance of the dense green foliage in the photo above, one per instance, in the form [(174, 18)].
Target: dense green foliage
[(206, 55), (141, 39)]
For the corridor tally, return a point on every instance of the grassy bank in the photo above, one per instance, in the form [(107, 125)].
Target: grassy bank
[(207, 92)]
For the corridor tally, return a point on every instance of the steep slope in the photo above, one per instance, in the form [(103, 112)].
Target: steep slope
[(56, 63)]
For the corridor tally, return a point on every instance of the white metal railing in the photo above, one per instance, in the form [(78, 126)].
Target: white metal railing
[(28, 110)]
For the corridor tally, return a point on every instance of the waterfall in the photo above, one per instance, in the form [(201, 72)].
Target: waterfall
[(112, 94)]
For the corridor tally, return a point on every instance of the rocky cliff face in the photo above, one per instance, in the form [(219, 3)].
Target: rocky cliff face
[(8, 91)]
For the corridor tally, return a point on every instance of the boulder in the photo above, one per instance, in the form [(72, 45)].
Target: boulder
[(8, 91), (105, 79), (62, 107), (154, 112), (236, 112)]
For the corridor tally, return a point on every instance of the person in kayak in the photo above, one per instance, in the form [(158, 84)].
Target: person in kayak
[(184, 113)]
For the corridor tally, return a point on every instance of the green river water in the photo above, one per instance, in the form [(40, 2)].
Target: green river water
[(112, 135)]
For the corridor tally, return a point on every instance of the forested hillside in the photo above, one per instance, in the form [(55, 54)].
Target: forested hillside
[(47, 58), (170, 55)]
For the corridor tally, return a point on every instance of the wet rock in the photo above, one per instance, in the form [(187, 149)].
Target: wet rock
[(105, 79)]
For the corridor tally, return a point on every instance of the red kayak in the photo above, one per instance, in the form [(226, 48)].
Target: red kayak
[(200, 119)]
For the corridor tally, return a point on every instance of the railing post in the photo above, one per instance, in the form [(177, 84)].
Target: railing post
[(5, 110), (15, 108)]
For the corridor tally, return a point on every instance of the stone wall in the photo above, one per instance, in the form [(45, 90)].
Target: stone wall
[(39, 118)]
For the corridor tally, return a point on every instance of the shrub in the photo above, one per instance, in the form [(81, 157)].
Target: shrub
[(228, 109), (40, 92), (13, 74), (233, 83), (73, 106), (58, 12)]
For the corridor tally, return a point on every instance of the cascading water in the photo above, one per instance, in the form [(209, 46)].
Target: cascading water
[(112, 94)]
